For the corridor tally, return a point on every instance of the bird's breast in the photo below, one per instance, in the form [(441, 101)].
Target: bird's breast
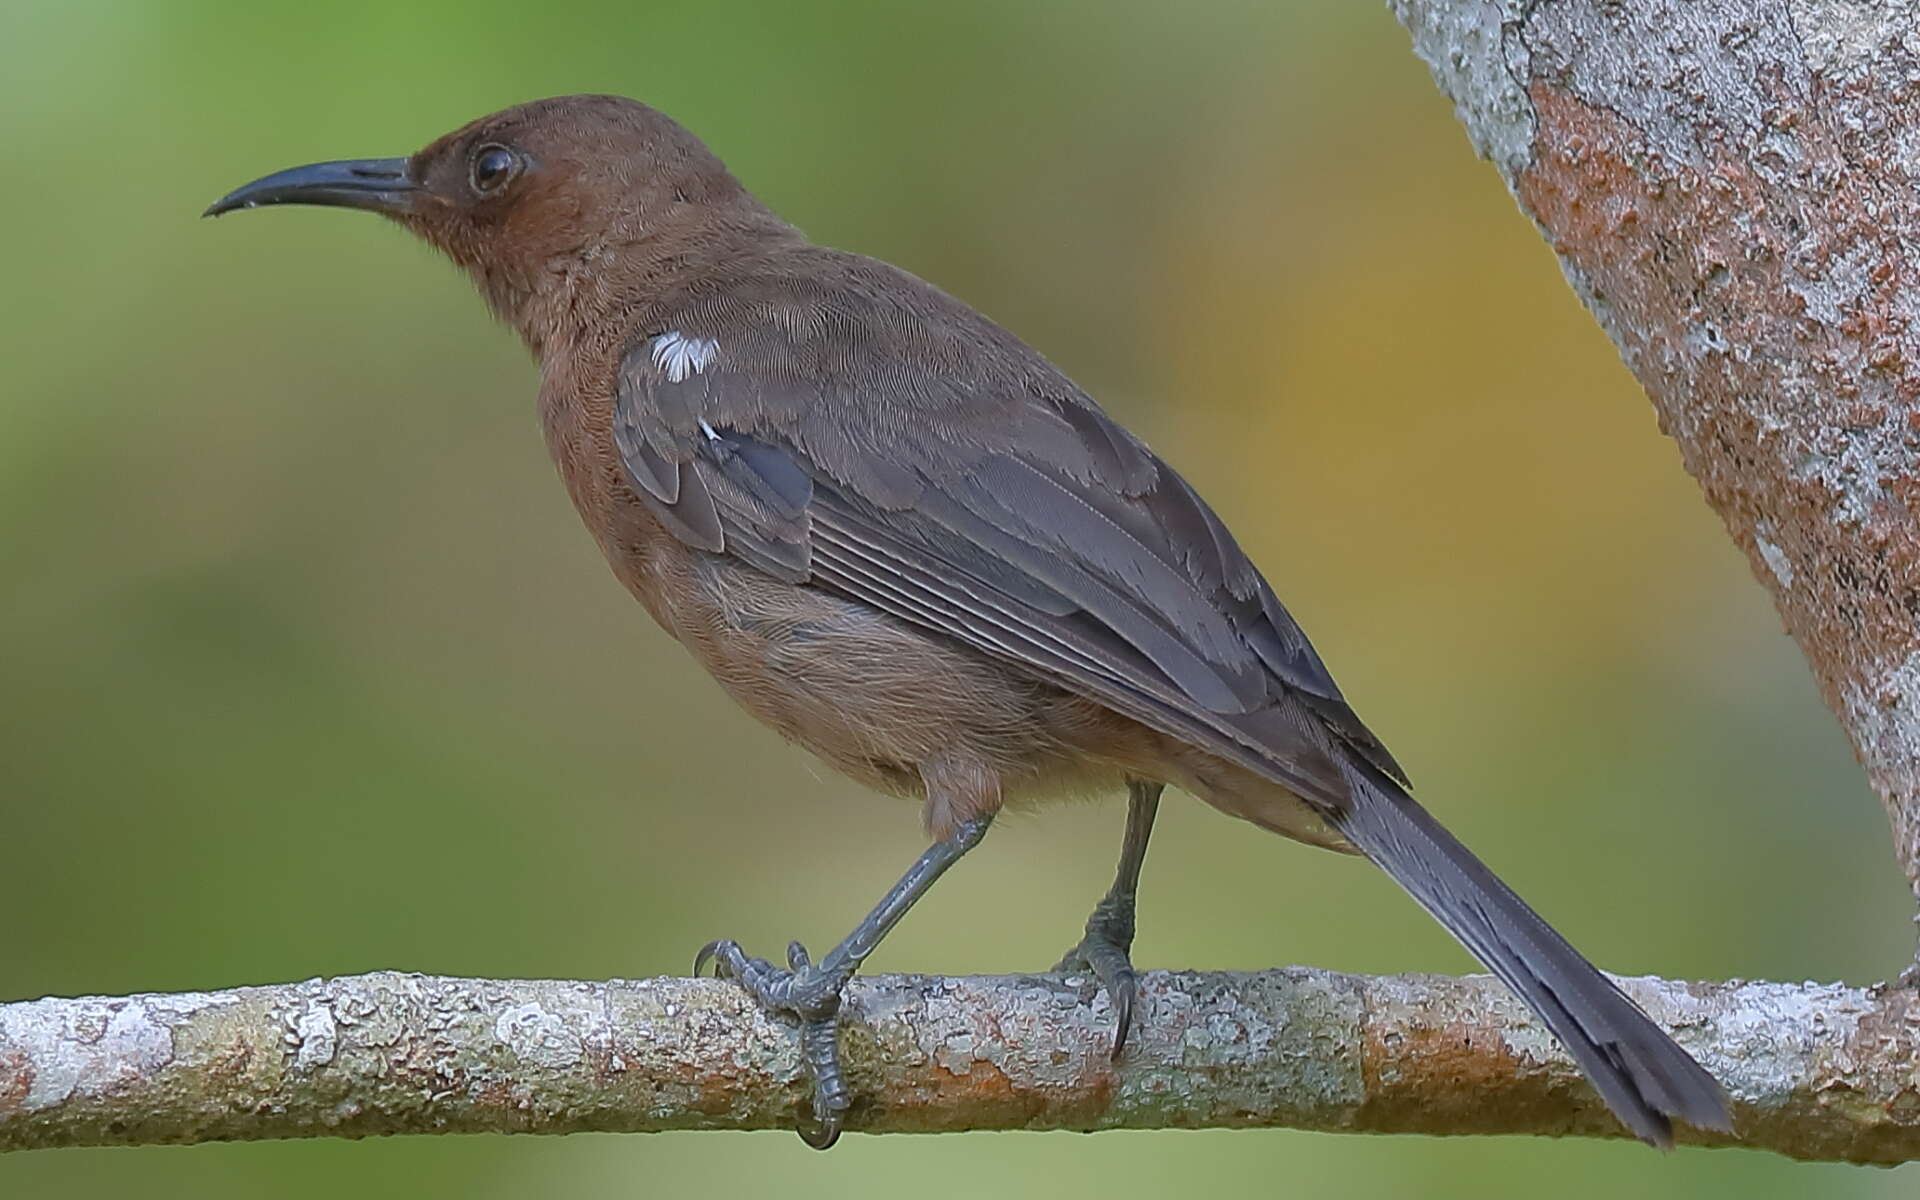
[(577, 419)]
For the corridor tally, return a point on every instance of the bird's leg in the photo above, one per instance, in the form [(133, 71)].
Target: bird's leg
[(809, 992), (1109, 934)]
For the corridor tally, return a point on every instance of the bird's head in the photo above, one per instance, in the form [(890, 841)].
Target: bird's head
[(542, 200)]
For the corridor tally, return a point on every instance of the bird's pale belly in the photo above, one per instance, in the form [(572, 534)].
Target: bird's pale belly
[(882, 701)]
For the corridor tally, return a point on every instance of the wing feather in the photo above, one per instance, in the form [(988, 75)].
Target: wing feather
[(984, 498)]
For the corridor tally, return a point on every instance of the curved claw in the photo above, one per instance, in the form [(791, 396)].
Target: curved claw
[(708, 953), (797, 956), (1121, 993), (830, 1103), (1103, 954)]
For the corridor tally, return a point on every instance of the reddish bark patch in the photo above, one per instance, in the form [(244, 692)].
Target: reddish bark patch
[(16, 1080), (1763, 301), (233, 1061), (1447, 1072)]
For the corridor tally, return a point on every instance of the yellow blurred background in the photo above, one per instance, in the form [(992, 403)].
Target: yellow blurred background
[(307, 668)]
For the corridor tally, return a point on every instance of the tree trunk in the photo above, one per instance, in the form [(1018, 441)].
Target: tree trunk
[(1733, 188)]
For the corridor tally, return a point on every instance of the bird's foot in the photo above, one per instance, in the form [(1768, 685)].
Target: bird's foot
[(1104, 951), (810, 995)]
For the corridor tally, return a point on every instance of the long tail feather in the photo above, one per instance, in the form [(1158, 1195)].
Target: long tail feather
[(1642, 1075)]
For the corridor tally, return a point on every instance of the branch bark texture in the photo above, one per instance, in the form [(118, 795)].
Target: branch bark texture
[(1733, 187), (1818, 1072)]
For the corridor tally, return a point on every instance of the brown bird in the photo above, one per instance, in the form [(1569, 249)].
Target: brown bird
[(902, 538)]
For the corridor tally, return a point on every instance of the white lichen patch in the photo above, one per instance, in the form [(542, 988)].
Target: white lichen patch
[(1524, 1037), (317, 1037), (1842, 38), (85, 1047), (1690, 80), (1771, 554), (958, 1037), (1842, 284), (1882, 712), (1850, 472), (1474, 52), (177, 1006), (1766, 1044), (538, 1036)]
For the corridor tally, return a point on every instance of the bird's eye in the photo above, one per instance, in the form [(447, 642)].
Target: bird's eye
[(493, 167)]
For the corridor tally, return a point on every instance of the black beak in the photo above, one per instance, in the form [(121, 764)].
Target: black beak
[(377, 184)]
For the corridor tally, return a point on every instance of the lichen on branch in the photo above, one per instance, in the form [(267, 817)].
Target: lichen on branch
[(1824, 1072)]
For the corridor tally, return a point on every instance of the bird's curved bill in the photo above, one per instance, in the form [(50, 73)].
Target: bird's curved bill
[(377, 184)]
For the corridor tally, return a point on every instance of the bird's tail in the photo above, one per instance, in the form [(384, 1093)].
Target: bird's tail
[(1642, 1075)]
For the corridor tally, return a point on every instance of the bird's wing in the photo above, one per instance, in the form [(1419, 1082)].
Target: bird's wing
[(858, 431)]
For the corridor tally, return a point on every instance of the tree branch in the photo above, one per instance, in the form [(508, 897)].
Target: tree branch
[(1733, 189), (394, 1053)]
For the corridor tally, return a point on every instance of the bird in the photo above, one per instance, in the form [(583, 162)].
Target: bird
[(908, 542)]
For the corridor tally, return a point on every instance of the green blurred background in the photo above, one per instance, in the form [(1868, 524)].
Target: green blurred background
[(306, 666)]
